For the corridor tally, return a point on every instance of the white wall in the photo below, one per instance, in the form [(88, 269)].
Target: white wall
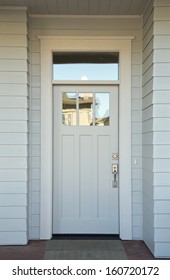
[(156, 128), (161, 128), (47, 26), (13, 126), (147, 119)]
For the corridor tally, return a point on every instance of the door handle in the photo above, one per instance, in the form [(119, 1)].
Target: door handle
[(114, 172)]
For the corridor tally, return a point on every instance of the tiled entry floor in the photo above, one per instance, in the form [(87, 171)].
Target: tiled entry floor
[(135, 250)]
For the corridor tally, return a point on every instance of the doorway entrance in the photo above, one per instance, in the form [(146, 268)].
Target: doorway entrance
[(85, 155), (93, 44)]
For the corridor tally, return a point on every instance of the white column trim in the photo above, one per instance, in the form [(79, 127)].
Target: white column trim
[(80, 43)]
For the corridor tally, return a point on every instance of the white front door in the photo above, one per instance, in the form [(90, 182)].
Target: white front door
[(85, 145)]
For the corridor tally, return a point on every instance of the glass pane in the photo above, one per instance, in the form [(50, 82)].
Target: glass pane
[(85, 108), (85, 72), (69, 116), (85, 66), (102, 114)]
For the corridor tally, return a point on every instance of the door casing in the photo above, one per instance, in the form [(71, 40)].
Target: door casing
[(84, 43)]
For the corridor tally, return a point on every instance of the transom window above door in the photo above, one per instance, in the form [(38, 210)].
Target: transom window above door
[(84, 66), (85, 108)]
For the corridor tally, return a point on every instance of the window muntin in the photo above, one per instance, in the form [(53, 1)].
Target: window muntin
[(85, 114)]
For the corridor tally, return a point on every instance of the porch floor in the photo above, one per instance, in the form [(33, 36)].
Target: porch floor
[(35, 250)]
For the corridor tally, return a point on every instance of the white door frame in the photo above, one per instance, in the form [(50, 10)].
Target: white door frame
[(84, 43)]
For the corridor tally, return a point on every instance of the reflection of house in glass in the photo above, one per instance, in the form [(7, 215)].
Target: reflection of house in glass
[(80, 111), (69, 108), (102, 121), (85, 105), (85, 108)]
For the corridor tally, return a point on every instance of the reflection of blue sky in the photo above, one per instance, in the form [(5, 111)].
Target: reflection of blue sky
[(91, 71), (71, 95), (102, 106)]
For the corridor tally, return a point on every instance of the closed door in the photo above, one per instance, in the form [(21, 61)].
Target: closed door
[(85, 147)]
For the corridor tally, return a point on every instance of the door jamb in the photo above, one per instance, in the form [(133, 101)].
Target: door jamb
[(83, 43)]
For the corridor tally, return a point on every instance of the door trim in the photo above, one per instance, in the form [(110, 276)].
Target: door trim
[(80, 43)]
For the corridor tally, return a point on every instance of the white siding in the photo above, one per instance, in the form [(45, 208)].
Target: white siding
[(17, 53), (13, 237), (13, 126), (147, 139), (161, 137), (14, 16), (86, 26), (13, 40), (156, 131), (11, 27)]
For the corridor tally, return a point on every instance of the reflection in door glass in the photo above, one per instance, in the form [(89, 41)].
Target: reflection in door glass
[(69, 116), (102, 114), (85, 108)]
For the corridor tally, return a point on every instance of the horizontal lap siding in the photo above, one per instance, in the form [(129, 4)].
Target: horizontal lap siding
[(161, 137), (86, 26), (147, 117), (156, 132), (19, 53), (13, 237), (14, 16), (13, 126)]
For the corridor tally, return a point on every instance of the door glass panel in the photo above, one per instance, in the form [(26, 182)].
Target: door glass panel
[(83, 114), (69, 116), (85, 108), (102, 114)]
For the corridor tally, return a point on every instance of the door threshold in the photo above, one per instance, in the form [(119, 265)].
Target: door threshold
[(86, 236)]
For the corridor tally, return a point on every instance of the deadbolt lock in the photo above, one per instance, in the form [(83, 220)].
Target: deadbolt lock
[(114, 168)]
